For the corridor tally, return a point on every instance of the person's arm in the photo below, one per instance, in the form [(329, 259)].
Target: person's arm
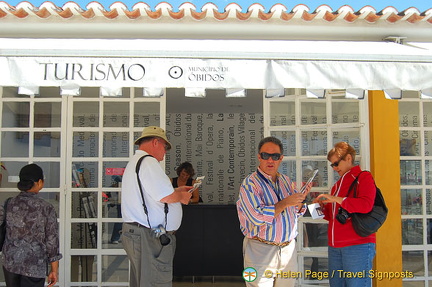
[(295, 199), (53, 275), (180, 194)]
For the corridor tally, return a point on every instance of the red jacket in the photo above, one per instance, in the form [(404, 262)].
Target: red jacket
[(342, 235)]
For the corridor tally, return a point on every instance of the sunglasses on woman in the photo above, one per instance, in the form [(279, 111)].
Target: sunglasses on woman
[(336, 164)]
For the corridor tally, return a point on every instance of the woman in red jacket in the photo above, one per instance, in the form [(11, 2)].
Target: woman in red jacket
[(350, 255)]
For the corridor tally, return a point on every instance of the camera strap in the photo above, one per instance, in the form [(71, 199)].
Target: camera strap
[(137, 168)]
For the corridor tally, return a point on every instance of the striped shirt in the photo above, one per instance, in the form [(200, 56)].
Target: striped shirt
[(256, 208)]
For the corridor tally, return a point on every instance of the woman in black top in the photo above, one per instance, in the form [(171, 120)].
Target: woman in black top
[(32, 236), (185, 173)]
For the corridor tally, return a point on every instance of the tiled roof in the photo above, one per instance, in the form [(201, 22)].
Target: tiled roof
[(210, 11)]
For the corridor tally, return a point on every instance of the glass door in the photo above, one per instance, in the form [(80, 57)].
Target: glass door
[(83, 143), (100, 137), (33, 130), (308, 129)]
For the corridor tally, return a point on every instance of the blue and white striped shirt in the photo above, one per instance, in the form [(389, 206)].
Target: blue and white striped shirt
[(256, 208)]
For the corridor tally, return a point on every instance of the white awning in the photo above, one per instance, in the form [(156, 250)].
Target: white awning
[(213, 64)]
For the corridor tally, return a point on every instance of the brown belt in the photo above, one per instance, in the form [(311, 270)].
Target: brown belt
[(140, 225), (282, 244)]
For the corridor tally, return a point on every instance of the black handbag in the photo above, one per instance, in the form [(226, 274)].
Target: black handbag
[(3, 226), (366, 224)]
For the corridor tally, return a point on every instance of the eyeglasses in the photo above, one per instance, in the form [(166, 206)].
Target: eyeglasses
[(336, 164), (274, 156)]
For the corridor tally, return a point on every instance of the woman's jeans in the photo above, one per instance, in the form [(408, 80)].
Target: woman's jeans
[(349, 266)]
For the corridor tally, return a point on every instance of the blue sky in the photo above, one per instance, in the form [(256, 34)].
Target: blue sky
[(400, 5)]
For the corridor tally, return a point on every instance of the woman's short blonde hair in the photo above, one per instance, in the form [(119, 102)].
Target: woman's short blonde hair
[(341, 149)]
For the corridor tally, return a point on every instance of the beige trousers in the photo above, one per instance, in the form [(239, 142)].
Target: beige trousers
[(276, 266)]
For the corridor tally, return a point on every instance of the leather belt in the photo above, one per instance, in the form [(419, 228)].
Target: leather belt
[(140, 225), (282, 244)]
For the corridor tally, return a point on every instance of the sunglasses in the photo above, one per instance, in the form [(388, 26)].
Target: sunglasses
[(336, 164), (274, 156)]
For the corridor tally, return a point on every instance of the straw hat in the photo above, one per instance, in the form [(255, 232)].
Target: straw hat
[(153, 131)]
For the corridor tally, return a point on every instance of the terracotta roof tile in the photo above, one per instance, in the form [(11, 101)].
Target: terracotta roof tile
[(119, 10)]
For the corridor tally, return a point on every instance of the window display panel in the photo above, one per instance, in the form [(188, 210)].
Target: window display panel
[(427, 116), (111, 204), (314, 270), (84, 204), (308, 167), (351, 136), (49, 92), (428, 201), (84, 174), (113, 173), (11, 92), (83, 268), (16, 115), (315, 238), (288, 168), (427, 143), (411, 201), (411, 172), (52, 174), (146, 114), (409, 114), (288, 141), (116, 114), (412, 231), (115, 144), (345, 112), (15, 144), (47, 144), (313, 113), (83, 235), (85, 144), (282, 113), (314, 142), (409, 143), (8, 170), (86, 114), (413, 261), (111, 235), (115, 268), (428, 171), (47, 115)]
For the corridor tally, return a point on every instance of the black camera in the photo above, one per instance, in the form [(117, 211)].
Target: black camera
[(342, 215), (160, 232)]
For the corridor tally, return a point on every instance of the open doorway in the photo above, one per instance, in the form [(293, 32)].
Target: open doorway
[(218, 135)]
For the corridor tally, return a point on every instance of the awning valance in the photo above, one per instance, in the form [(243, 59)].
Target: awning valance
[(29, 72)]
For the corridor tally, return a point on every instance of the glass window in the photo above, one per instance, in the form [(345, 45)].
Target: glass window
[(16, 115), (409, 114), (146, 114), (86, 114), (15, 144), (282, 114), (47, 115), (47, 144), (116, 114)]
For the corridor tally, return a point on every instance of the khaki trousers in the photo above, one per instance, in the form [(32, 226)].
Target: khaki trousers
[(276, 266), (150, 262)]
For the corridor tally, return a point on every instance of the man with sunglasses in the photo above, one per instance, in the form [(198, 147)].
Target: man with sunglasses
[(151, 211), (268, 208)]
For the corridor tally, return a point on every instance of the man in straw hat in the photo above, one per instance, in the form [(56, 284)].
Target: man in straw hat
[(151, 211)]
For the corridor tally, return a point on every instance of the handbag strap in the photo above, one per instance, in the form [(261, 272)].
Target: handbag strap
[(352, 186), (137, 168)]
